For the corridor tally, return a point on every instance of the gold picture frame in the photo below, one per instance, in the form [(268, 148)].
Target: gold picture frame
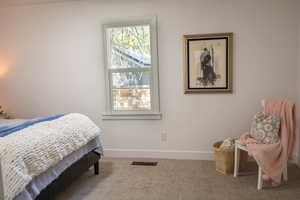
[(208, 63)]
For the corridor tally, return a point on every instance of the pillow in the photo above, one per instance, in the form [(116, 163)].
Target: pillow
[(265, 128)]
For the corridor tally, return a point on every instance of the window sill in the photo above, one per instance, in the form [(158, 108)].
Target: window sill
[(131, 116)]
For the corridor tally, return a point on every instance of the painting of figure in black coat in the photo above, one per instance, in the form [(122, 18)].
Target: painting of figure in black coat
[(208, 63), (207, 67)]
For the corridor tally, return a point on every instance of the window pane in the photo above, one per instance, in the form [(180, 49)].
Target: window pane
[(131, 91), (130, 46)]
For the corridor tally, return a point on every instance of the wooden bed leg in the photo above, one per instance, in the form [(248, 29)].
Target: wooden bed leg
[(96, 168)]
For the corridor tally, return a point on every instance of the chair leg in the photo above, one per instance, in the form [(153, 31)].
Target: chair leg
[(285, 174), (96, 168), (260, 180), (236, 161)]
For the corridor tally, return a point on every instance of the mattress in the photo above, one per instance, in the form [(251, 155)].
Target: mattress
[(40, 182)]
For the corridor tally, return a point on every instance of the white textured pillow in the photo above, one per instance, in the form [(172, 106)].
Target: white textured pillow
[(265, 128)]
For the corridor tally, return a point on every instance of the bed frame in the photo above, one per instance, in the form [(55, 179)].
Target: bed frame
[(70, 174)]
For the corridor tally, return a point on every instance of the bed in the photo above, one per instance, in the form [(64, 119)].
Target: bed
[(61, 148)]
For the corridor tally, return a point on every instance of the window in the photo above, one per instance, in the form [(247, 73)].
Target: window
[(131, 70)]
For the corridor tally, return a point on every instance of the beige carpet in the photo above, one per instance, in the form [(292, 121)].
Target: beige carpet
[(174, 180)]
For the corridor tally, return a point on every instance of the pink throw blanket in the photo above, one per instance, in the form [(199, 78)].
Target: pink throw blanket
[(272, 158)]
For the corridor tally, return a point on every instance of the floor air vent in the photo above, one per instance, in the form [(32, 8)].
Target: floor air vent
[(144, 163)]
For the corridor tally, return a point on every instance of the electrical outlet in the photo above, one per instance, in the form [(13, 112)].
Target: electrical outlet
[(164, 136)]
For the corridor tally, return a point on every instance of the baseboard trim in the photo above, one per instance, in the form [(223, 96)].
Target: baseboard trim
[(166, 154), (169, 154)]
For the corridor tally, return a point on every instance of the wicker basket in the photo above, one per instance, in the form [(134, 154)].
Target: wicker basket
[(225, 159)]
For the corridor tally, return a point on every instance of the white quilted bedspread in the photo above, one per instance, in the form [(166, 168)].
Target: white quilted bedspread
[(29, 152)]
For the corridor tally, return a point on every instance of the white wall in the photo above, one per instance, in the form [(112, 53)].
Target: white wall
[(54, 59)]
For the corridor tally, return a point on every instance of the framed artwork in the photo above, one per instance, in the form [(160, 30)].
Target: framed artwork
[(208, 63)]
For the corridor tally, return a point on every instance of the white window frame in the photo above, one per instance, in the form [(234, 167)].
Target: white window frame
[(154, 113)]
